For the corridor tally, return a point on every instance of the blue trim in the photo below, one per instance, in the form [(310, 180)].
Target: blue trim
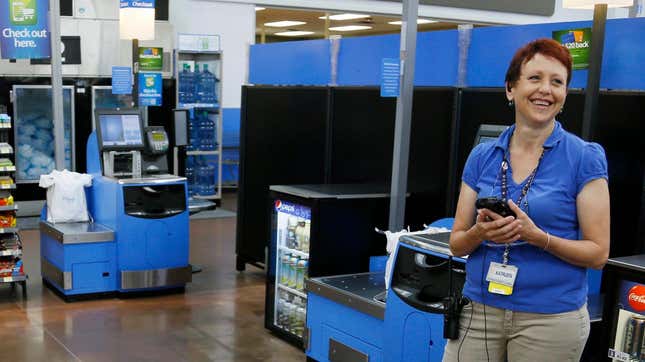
[(298, 62)]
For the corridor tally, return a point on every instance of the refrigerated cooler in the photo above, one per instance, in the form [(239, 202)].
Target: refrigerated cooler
[(317, 230), (34, 131)]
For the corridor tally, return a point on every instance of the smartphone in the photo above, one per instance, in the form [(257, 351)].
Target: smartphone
[(496, 205)]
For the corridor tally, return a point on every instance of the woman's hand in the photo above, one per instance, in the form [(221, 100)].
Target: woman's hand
[(529, 232), (492, 226)]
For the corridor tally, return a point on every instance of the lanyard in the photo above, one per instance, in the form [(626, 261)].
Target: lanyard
[(522, 196)]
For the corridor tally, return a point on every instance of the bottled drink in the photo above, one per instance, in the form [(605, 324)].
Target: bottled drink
[(197, 86), (284, 268), (186, 85), (190, 175), (291, 232), (306, 236), (291, 283), (300, 274), (300, 234), (207, 86), (299, 321)]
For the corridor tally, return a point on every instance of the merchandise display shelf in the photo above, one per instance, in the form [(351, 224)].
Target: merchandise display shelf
[(16, 252), (8, 230), (294, 251), (215, 106), (9, 208), (12, 279), (292, 291), (8, 187), (5, 125), (7, 168), (206, 197), (202, 153)]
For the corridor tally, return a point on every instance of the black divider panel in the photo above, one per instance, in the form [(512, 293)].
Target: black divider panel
[(282, 135), (362, 142), (621, 131)]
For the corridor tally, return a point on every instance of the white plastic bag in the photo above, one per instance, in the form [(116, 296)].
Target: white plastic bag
[(66, 196)]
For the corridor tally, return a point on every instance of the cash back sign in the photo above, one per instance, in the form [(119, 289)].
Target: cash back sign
[(578, 41), (24, 29)]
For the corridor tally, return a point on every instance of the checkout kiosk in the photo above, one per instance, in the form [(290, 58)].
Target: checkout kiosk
[(138, 240)]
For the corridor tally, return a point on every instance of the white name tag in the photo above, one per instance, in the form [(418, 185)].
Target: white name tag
[(502, 274)]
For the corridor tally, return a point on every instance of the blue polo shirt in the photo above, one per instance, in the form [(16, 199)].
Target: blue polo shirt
[(544, 283)]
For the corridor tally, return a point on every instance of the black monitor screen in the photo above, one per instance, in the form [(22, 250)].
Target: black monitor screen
[(488, 133), (120, 130)]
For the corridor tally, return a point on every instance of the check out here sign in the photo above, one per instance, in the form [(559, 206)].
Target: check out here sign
[(24, 29)]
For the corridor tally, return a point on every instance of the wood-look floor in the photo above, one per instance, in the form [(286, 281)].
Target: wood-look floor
[(219, 318)]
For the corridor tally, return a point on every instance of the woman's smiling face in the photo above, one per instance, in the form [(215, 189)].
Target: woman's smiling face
[(540, 91)]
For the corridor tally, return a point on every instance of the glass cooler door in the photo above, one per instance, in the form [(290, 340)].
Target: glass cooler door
[(293, 226), (34, 131)]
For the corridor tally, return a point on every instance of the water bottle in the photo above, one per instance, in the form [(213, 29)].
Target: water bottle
[(186, 85), (210, 185), (190, 175), (197, 86), (208, 85)]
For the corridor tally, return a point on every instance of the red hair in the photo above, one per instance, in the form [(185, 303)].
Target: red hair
[(545, 46)]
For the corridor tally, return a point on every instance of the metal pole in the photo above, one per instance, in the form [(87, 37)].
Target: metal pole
[(403, 115), (589, 116), (57, 85), (135, 72)]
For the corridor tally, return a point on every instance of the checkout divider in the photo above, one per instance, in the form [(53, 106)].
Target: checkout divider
[(138, 240)]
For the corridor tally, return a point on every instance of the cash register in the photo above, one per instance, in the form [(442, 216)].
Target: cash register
[(141, 209)]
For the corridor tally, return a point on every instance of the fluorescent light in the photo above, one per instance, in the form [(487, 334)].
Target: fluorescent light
[(259, 8), (284, 24), (350, 28), (294, 33), (419, 21), (346, 16), (589, 4)]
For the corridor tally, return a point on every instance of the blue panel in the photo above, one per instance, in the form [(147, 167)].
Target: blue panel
[(231, 127), (622, 63), (290, 63), (492, 48), (437, 58), (356, 329), (359, 58)]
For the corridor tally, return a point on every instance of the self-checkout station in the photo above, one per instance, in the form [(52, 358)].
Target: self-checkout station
[(138, 239)]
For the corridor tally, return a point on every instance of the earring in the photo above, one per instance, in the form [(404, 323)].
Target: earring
[(561, 109), (511, 103)]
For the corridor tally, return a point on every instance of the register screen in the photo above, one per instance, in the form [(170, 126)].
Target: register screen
[(121, 130)]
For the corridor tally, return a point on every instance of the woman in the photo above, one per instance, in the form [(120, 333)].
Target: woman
[(526, 275)]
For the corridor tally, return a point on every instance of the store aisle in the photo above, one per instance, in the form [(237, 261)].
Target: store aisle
[(219, 318)]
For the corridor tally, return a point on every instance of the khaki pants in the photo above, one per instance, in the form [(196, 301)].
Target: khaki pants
[(518, 336)]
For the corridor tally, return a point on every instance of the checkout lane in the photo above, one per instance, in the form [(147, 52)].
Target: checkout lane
[(134, 198)]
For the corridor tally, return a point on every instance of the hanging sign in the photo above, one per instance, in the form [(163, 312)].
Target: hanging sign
[(578, 41), (150, 59), (390, 77), (121, 80), (142, 4), (150, 89), (24, 29)]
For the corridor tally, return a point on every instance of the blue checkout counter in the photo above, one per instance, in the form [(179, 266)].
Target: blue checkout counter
[(349, 320), (139, 238)]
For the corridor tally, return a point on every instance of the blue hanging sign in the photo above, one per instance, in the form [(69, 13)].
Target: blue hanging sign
[(121, 80), (150, 89), (24, 29), (142, 4), (390, 77)]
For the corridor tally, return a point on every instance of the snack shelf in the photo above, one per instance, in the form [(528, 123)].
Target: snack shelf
[(14, 278)]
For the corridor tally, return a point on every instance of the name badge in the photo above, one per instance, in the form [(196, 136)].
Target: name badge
[(501, 278)]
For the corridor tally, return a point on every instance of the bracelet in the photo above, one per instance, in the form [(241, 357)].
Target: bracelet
[(548, 240)]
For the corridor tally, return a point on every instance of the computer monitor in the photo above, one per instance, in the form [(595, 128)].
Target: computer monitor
[(119, 130), (488, 133)]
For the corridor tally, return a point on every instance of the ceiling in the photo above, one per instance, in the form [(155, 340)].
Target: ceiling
[(378, 23)]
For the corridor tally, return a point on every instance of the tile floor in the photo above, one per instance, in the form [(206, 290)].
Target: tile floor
[(219, 318)]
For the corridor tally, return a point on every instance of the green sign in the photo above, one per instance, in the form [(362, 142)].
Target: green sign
[(578, 41), (150, 59), (23, 12)]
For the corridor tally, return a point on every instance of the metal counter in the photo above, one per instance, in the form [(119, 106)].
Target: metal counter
[(334, 191), (633, 262), (358, 291), (77, 232)]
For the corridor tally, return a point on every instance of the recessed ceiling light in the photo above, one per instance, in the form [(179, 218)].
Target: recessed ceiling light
[(258, 8), (589, 4), (345, 16), (419, 21), (294, 33), (350, 28), (284, 24)]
